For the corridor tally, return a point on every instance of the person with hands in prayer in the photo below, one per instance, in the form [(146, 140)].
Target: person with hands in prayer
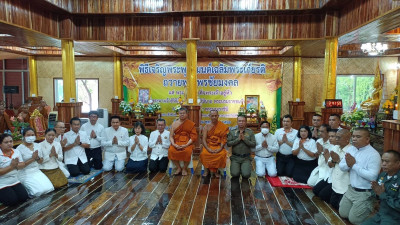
[(138, 143)]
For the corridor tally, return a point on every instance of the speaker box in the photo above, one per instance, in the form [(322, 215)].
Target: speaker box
[(11, 89)]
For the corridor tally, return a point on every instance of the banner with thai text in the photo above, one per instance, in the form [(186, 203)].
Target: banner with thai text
[(222, 84)]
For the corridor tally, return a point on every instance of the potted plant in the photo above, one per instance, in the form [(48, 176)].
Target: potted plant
[(125, 108), (18, 128)]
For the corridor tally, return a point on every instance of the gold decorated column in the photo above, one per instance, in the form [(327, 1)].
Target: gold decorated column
[(331, 51), (191, 72), (68, 69), (297, 74), (33, 78), (117, 77)]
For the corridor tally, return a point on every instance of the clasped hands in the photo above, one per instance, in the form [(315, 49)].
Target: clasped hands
[(180, 147), (378, 189)]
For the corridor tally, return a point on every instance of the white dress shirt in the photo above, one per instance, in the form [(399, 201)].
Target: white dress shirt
[(323, 168), (137, 154), (273, 145), (77, 152), (26, 154), (309, 144), (98, 129), (119, 149), (50, 163), (366, 168), (10, 178), (285, 149), (159, 150), (340, 179)]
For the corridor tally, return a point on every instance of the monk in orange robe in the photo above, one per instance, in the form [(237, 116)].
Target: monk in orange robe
[(24, 115), (182, 135), (213, 155), (5, 122)]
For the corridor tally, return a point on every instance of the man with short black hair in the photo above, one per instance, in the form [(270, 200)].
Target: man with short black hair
[(334, 121), (316, 124), (115, 140), (94, 131), (387, 189), (364, 164), (285, 136), (74, 150), (159, 143)]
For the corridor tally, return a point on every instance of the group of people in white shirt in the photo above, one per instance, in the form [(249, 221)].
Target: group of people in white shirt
[(33, 169)]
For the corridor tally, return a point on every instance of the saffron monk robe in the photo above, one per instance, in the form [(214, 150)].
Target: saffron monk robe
[(183, 134), (213, 155)]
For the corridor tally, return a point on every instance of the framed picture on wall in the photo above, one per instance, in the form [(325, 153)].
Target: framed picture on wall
[(143, 95), (252, 101)]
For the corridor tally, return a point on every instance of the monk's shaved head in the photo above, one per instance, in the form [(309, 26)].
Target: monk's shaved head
[(214, 110)]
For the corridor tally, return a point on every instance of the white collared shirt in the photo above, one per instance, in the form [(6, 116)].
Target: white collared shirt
[(285, 149), (119, 149), (309, 144), (366, 168), (77, 152), (98, 129), (26, 154), (273, 145), (10, 178), (340, 179), (137, 154), (159, 150), (323, 168), (50, 163)]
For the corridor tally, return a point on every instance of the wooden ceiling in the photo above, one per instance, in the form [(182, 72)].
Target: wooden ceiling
[(225, 28)]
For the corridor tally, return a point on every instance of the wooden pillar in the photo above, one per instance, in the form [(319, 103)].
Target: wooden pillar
[(68, 69), (329, 87), (191, 72), (117, 78), (297, 74), (33, 78)]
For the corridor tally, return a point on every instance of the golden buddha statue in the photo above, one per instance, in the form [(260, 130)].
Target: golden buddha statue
[(374, 101)]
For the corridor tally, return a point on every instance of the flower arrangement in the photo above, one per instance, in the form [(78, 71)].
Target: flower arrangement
[(141, 106), (176, 108), (242, 110), (352, 117), (388, 106), (251, 110), (156, 107), (125, 108), (18, 126), (150, 109)]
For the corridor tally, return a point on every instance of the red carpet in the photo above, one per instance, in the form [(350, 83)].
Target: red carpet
[(286, 182)]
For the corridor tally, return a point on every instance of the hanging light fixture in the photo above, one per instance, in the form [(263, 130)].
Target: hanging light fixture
[(374, 48)]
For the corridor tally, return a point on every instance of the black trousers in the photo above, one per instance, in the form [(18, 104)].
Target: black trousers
[(80, 167), (136, 166), (335, 199), (284, 164), (13, 195), (302, 169), (159, 165), (323, 190), (95, 158)]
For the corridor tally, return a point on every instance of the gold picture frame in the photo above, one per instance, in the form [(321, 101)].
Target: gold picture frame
[(252, 101), (143, 95)]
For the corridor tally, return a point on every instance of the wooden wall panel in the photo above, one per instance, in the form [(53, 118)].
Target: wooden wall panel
[(115, 28), (14, 79), (129, 6), (359, 12), (262, 27)]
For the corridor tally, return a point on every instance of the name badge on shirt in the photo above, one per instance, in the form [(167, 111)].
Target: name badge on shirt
[(165, 137)]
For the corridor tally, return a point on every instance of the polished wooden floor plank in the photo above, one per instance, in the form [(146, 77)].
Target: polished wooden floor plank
[(238, 216), (250, 210), (281, 197), (32, 206), (150, 203), (224, 202), (102, 200), (175, 202), (185, 208), (99, 213), (310, 207), (130, 196), (211, 212), (163, 202), (197, 214), (68, 210), (77, 193), (329, 213), (261, 204), (301, 212), (277, 215), (139, 200), (291, 217)]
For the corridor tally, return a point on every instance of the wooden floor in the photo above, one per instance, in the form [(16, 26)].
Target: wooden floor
[(118, 198)]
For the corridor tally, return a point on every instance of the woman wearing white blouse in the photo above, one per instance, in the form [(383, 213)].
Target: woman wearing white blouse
[(138, 143), (304, 148), (35, 182), (51, 151)]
